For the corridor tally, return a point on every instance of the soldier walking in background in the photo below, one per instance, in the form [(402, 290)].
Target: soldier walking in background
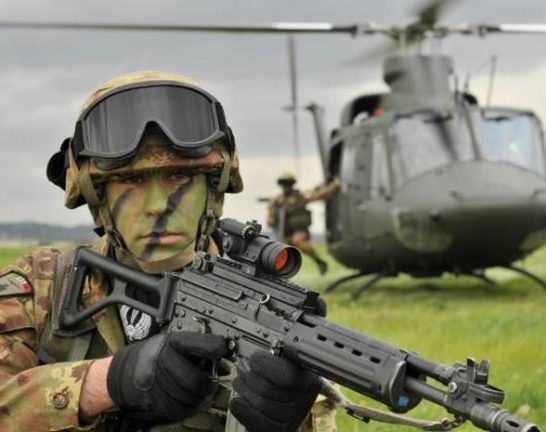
[(289, 217)]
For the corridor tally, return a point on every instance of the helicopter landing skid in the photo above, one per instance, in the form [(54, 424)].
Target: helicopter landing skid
[(355, 293), (480, 274), (342, 280), (530, 275)]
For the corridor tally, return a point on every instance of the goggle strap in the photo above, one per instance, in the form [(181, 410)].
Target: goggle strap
[(222, 123), (77, 140), (223, 126)]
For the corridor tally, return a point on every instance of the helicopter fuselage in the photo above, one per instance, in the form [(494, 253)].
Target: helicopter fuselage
[(429, 191)]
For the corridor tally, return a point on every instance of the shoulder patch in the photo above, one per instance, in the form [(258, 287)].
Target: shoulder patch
[(14, 284)]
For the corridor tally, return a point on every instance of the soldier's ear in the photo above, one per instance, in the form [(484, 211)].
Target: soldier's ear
[(58, 164)]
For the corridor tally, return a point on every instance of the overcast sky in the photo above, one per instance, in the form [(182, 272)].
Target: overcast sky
[(45, 75)]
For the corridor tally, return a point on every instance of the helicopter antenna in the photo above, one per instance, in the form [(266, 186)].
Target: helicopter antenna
[(466, 85), (293, 107), (492, 63), (492, 73)]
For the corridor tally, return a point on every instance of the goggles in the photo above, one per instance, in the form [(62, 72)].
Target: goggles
[(111, 128)]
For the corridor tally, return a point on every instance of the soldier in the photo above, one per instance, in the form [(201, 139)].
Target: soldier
[(152, 156), (289, 217)]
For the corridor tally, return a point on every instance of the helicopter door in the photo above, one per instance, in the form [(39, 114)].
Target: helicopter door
[(355, 178), (365, 170), (380, 185), (333, 221), (374, 207)]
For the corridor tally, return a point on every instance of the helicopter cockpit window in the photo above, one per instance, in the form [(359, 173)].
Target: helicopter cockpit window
[(425, 141), (514, 137)]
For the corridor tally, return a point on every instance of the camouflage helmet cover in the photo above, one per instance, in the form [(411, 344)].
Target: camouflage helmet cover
[(152, 158)]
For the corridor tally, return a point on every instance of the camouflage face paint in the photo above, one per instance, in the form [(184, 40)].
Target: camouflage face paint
[(157, 214), (118, 204), (160, 226)]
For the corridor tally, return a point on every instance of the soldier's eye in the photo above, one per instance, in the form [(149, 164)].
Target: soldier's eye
[(134, 179), (178, 176)]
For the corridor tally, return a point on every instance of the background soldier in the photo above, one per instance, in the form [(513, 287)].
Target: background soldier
[(290, 218), (152, 157)]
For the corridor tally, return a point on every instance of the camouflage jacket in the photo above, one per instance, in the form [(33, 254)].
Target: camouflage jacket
[(37, 397)]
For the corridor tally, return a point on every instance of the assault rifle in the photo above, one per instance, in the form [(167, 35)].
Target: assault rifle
[(244, 296)]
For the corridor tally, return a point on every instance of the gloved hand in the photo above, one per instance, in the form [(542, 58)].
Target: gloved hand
[(162, 376), (273, 394)]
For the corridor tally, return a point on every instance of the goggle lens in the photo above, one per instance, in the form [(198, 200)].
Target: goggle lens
[(113, 127)]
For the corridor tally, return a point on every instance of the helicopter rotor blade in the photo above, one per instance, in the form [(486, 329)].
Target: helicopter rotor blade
[(427, 21), (279, 27), (514, 28)]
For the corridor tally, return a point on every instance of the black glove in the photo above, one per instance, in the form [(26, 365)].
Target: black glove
[(273, 394), (162, 375)]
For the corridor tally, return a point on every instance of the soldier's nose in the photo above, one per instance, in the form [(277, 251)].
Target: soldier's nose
[(157, 197)]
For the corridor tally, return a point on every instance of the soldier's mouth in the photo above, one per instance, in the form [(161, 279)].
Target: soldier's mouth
[(163, 238)]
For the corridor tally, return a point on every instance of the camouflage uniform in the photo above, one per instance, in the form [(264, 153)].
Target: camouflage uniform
[(47, 397), (288, 215), (293, 204), (34, 397)]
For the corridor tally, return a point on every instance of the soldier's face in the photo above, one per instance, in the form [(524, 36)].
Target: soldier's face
[(157, 213), (287, 188), (157, 203)]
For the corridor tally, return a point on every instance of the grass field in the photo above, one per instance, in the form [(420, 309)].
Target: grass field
[(447, 319)]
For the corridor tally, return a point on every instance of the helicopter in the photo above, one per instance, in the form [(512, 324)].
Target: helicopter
[(432, 182)]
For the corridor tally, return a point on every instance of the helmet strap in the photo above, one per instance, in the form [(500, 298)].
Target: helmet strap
[(98, 206), (213, 205)]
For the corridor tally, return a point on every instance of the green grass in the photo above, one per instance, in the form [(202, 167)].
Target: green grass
[(8, 254), (446, 319)]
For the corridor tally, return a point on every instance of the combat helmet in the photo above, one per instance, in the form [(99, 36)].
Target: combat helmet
[(110, 125), (286, 178)]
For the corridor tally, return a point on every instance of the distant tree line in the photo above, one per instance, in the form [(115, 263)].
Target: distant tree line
[(45, 233)]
